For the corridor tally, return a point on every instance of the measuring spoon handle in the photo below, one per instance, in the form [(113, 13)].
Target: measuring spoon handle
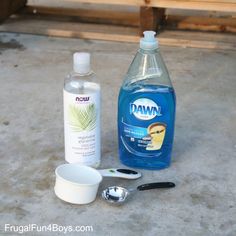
[(155, 185), (120, 173)]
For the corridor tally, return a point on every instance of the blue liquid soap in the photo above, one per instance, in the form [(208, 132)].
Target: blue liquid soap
[(146, 110)]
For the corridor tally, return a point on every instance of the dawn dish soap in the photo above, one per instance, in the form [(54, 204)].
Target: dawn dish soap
[(146, 110), (82, 114)]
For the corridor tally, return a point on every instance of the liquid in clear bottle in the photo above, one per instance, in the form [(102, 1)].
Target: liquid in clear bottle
[(82, 114), (146, 110)]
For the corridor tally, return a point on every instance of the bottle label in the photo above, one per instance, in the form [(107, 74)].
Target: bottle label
[(82, 128), (149, 139), (143, 130)]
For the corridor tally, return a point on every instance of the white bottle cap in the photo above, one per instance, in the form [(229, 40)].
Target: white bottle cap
[(149, 42), (81, 61)]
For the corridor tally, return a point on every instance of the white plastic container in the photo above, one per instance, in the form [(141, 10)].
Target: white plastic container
[(82, 114), (77, 184)]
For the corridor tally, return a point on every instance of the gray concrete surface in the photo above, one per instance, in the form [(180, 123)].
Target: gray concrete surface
[(31, 141)]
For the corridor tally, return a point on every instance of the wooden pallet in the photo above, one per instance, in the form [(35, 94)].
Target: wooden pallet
[(126, 26), (223, 24), (68, 28)]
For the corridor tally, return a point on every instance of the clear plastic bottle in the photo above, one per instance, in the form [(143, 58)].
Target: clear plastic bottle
[(146, 110), (82, 114)]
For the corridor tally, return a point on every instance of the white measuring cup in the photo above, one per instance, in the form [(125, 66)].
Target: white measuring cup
[(79, 184)]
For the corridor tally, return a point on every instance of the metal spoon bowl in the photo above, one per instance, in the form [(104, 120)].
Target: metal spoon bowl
[(115, 194)]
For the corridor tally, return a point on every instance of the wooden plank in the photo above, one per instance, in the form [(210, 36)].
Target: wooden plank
[(198, 5), (116, 33), (32, 25), (203, 23), (85, 15), (8, 7), (215, 1), (200, 36), (208, 5)]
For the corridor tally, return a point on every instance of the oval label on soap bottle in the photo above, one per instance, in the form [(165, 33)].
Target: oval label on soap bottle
[(145, 109)]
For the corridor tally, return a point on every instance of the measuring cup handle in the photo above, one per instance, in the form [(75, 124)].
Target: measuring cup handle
[(155, 185), (120, 173)]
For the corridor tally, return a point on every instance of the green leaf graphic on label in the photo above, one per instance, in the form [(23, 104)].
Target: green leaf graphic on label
[(82, 118)]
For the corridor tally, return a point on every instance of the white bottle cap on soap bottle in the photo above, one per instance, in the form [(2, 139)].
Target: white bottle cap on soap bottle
[(81, 62)]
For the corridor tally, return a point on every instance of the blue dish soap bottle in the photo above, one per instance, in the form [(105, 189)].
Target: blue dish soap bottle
[(146, 110)]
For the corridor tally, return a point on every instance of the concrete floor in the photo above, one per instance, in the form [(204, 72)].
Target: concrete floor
[(31, 140)]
